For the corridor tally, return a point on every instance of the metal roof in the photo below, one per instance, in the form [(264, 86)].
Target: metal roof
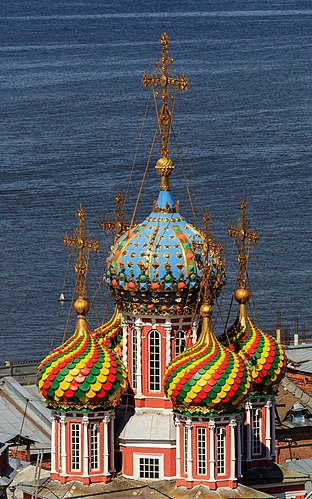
[(17, 401), (300, 357), (124, 488), (303, 466)]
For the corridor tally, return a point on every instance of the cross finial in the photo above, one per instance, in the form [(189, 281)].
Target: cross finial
[(79, 243), (165, 86), (117, 221), (243, 237)]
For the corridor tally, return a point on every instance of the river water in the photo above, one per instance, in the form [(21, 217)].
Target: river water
[(70, 116)]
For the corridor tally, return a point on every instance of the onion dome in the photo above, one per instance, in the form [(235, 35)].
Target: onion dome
[(81, 374), (207, 378), (155, 268), (110, 334), (265, 356)]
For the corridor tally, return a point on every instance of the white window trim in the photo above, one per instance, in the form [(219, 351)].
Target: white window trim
[(219, 429), (203, 448), (134, 348), (59, 457), (95, 452), (258, 412), (185, 442), (136, 465), (156, 363), (71, 445), (178, 339)]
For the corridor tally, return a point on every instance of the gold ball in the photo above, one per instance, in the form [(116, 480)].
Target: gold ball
[(81, 306), (206, 310), (242, 295), (164, 167)]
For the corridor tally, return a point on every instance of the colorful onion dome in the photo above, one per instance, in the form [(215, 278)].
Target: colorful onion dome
[(207, 378), (110, 334), (81, 375), (154, 269), (265, 356)]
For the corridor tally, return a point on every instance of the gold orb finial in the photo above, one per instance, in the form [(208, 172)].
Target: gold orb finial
[(206, 310), (242, 295), (81, 307)]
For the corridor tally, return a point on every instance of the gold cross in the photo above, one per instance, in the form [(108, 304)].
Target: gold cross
[(117, 221), (79, 243), (168, 84), (243, 237)]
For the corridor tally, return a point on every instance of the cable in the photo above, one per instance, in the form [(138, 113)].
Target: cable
[(184, 175), (137, 150)]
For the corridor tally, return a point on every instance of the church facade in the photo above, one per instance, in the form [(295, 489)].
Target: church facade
[(154, 393)]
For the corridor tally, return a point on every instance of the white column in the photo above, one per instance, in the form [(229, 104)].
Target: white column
[(248, 407), (239, 449), (268, 407), (138, 327), (189, 458), (85, 447), (178, 447), (105, 437), (194, 332), (233, 425), (168, 328), (212, 459), (53, 440), (125, 343), (63, 423), (273, 452), (112, 444)]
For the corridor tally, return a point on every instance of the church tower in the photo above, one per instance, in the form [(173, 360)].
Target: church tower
[(264, 355), (207, 385), (154, 273), (81, 381)]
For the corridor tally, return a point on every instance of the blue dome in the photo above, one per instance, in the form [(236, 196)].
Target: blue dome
[(155, 267)]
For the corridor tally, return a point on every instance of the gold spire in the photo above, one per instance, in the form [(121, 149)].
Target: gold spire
[(165, 86), (243, 238), (79, 243), (117, 222)]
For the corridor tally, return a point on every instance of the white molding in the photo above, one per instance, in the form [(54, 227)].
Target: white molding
[(151, 444)]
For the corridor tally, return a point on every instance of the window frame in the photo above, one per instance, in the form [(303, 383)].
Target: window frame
[(75, 446), (137, 456), (134, 357), (201, 450), (94, 446), (179, 340), (154, 361), (256, 431), (221, 450)]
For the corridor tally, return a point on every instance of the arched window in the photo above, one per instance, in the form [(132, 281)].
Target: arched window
[(134, 357), (179, 342), (154, 360)]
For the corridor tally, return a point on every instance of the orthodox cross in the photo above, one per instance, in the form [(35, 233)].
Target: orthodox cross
[(168, 84), (243, 237), (79, 244), (117, 223)]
